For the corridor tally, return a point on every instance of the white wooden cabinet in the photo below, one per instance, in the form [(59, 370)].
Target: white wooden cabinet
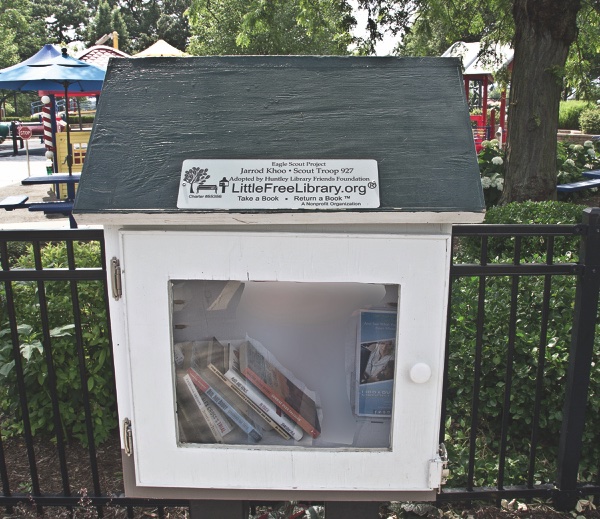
[(387, 457)]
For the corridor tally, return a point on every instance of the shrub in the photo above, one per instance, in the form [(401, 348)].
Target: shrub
[(73, 119), (463, 324), (589, 120), (96, 352), (571, 161), (568, 114), (545, 213), (491, 168)]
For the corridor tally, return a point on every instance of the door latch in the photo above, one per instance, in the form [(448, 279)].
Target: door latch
[(438, 469)]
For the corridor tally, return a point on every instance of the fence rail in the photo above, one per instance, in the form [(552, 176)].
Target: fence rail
[(503, 259), (494, 272), (47, 261)]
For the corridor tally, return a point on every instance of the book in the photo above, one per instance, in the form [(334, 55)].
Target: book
[(217, 423), (235, 416), (218, 358), (283, 392), (376, 351), (239, 383)]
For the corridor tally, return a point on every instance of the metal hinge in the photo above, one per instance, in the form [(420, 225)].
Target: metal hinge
[(127, 437), (438, 469), (115, 275)]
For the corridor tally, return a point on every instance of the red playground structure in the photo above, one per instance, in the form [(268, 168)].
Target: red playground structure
[(479, 67)]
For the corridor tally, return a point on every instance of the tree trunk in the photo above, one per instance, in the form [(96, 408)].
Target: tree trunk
[(544, 31)]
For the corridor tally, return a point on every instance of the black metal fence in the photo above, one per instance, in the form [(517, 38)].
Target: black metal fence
[(54, 315), (521, 348)]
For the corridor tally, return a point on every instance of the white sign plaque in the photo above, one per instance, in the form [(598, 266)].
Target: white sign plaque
[(279, 184)]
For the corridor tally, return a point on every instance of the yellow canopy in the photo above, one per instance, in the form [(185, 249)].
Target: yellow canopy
[(160, 48)]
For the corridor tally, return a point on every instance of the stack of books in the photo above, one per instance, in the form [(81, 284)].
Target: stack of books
[(240, 392)]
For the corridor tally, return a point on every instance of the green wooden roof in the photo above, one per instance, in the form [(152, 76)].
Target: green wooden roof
[(409, 114)]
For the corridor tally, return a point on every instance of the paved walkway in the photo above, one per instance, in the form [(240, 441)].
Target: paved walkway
[(13, 169)]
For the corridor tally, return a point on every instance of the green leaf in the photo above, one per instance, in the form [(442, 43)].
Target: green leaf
[(28, 349), (6, 368), (61, 331)]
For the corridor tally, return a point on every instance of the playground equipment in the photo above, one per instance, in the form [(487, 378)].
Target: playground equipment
[(480, 65)]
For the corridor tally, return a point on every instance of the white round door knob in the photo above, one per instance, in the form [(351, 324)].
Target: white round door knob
[(420, 373)]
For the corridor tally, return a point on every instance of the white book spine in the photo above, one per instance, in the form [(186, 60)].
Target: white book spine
[(265, 404), (218, 424), (224, 425)]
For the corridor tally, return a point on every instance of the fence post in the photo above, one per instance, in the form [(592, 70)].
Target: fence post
[(202, 509), (580, 359), (15, 142)]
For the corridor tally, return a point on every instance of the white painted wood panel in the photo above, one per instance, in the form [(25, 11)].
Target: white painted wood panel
[(150, 259)]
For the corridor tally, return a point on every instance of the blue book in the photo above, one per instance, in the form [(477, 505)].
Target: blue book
[(225, 406), (375, 359)]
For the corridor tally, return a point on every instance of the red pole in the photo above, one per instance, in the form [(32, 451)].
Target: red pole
[(492, 123), (485, 100), (47, 125)]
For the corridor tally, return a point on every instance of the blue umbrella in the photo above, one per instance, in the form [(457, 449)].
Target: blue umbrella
[(47, 74)]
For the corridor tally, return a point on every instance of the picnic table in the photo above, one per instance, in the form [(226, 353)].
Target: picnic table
[(593, 180), (59, 207), (61, 178)]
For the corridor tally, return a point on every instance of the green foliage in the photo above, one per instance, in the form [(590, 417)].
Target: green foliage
[(526, 360), (569, 112), (148, 21), (571, 161), (278, 27), (583, 63), (64, 20), (96, 350), (427, 37), (101, 24), (118, 24), (491, 167), (589, 120), (21, 34), (541, 213), (429, 27), (574, 159)]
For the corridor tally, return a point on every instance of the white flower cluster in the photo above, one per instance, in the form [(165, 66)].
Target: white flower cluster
[(497, 161), (591, 153), (496, 181), (570, 162), (588, 144), (494, 143)]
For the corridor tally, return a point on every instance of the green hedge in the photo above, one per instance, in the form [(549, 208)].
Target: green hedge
[(569, 112), (589, 121), (73, 119), (462, 338), (97, 352)]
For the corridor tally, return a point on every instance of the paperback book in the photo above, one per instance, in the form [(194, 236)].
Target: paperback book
[(376, 351), (218, 424), (285, 393), (225, 406)]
